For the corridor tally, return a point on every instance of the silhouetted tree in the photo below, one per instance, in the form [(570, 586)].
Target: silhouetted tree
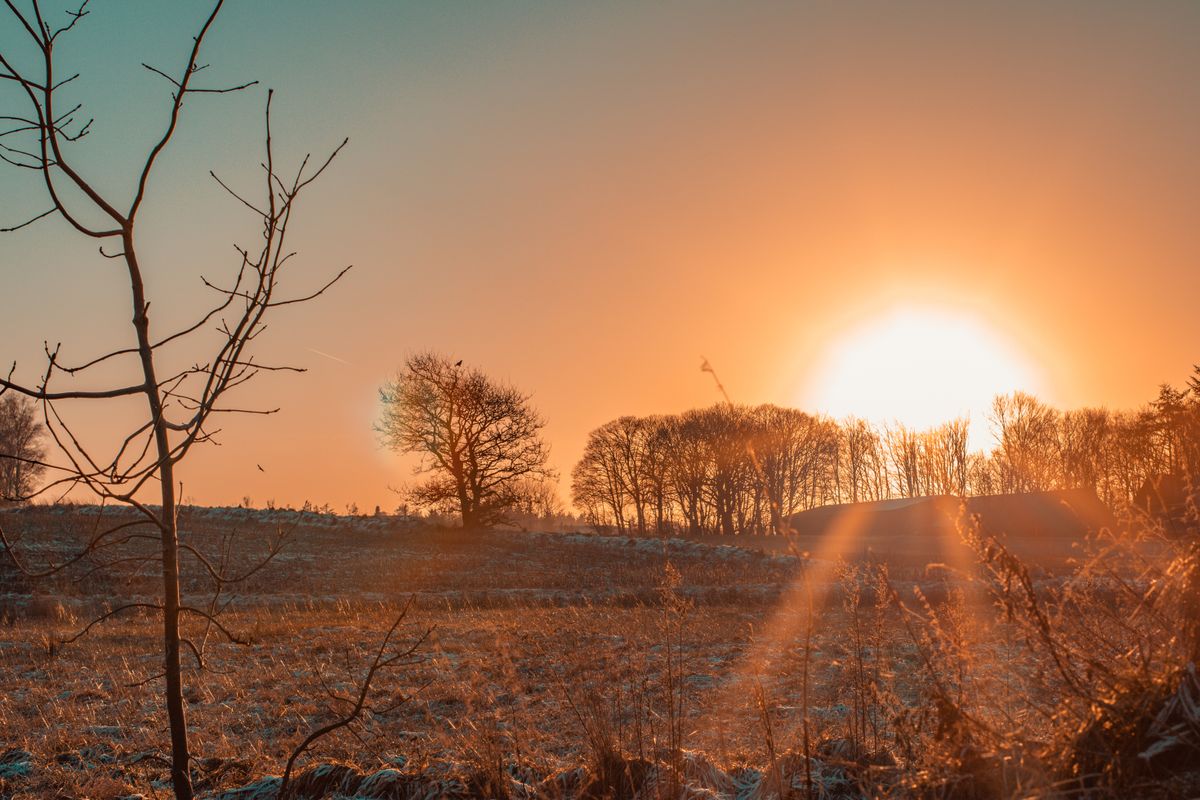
[(611, 476), (596, 488), (179, 388), (1027, 436), (689, 467), (982, 475), (656, 471), (628, 440), (727, 469), (904, 452), (1085, 445), (862, 461), (1177, 432), (796, 455), (478, 440), (22, 452), (726, 431), (945, 458)]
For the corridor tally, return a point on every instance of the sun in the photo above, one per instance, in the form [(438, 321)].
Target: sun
[(920, 367)]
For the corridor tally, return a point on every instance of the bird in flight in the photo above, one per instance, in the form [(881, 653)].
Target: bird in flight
[(458, 363)]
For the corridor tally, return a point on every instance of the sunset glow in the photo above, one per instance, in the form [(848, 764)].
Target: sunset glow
[(742, 186), (920, 367), (599, 400)]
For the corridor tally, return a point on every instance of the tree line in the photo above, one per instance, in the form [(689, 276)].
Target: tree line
[(725, 469), (733, 469)]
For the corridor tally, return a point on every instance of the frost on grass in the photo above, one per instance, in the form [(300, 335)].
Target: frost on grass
[(16, 764), (698, 779), (546, 675)]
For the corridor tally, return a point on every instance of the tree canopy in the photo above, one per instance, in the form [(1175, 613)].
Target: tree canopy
[(479, 440)]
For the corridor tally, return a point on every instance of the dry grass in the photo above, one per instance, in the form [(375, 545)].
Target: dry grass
[(576, 666)]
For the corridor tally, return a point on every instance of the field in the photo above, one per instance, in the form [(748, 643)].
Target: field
[(545, 665)]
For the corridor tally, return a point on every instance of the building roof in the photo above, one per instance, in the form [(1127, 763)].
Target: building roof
[(1165, 494)]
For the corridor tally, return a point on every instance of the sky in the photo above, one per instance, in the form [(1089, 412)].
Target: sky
[(586, 199)]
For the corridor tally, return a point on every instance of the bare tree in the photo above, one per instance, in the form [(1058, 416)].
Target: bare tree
[(623, 464), (1084, 448), (863, 462), (945, 458), (904, 450), (727, 435), (795, 453), (727, 468), (620, 452), (630, 437), (596, 488), (478, 439), (655, 468), (689, 467), (1027, 436), (537, 503), (180, 393), (22, 452)]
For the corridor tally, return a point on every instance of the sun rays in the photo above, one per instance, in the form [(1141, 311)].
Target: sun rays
[(811, 601)]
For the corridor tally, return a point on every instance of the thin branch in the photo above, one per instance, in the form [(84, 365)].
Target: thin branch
[(380, 662), (108, 615), (176, 108), (27, 222), (42, 394), (216, 623)]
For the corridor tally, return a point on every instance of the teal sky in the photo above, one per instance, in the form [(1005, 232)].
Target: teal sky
[(583, 198)]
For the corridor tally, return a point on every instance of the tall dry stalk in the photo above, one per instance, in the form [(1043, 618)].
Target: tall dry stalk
[(674, 611)]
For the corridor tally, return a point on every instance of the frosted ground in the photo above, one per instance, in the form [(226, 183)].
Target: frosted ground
[(542, 651)]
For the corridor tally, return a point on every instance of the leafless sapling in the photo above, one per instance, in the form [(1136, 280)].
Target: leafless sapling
[(181, 394)]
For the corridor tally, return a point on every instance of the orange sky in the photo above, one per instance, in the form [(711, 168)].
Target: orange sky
[(585, 199)]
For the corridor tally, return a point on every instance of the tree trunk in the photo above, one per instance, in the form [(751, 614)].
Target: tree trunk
[(181, 779), (176, 712), (466, 508), (470, 519), (725, 513)]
